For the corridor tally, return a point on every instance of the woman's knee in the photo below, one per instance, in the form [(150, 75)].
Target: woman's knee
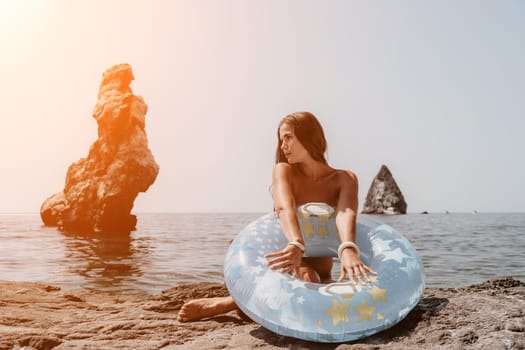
[(307, 274), (323, 268)]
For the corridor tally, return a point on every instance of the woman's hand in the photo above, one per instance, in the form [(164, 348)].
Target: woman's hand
[(286, 260), (352, 265)]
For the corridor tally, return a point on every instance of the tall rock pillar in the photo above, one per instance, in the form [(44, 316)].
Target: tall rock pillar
[(100, 189)]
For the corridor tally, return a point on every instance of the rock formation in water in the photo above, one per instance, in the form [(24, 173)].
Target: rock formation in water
[(384, 196), (100, 189)]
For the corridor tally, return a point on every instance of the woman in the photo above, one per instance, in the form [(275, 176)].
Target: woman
[(302, 175)]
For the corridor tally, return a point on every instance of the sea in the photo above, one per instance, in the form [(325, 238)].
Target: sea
[(170, 249)]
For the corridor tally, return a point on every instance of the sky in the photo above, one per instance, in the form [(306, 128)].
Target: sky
[(432, 89)]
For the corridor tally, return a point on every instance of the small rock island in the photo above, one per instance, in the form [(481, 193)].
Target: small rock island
[(100, 189), (384, 196)]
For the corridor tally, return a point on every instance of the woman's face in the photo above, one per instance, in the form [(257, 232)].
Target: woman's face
[(292, 148)]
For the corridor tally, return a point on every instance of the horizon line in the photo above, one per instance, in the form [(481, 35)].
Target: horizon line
[(473, 212)]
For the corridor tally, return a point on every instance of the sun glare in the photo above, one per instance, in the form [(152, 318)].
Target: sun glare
[(17, 14), (8, 8), (6, 3)]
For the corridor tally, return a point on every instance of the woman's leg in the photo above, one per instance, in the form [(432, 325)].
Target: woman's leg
[(316, 270), (196, 309)]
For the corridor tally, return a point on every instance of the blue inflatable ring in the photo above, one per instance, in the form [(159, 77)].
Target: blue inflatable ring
[(333, 313)]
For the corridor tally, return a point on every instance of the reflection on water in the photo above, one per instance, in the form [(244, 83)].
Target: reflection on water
[(106, 261), (164, 251)]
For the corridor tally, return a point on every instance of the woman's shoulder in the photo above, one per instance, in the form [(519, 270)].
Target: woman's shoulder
[(283, 169), (346, 176), (283, 166)]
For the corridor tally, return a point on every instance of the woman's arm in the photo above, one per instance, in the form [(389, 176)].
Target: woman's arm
[(345, 219), (284, 205), (347, 207), (284, 202)]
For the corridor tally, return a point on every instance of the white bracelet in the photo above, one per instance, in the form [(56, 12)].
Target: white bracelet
[(345, 245), (298, 245)]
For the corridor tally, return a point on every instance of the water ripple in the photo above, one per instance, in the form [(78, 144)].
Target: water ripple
[(170, 249)]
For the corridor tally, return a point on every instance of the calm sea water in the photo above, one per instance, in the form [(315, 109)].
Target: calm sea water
[(171, 249)]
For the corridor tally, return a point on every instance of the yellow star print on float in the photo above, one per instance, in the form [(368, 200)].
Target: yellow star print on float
[(308, 228), (347, 296), (377, 294), (339, 312), (324, 218), (323, 231), (365, 311)]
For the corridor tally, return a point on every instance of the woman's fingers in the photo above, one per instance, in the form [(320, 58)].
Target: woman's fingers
[(279, 264), (362, 270), (288, 268), (271, 255), (282, 260), (351, 276), (341, 277), (369, 269), (276, 257), (356, 271), (285, 260)]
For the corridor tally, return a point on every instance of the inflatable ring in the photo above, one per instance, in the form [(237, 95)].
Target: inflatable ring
[(337, 312)]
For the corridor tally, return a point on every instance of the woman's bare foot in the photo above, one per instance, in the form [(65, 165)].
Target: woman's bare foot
[(242, 315), (197, 309)]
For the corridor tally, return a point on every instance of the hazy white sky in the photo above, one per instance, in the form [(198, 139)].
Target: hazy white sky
[(433, 89)]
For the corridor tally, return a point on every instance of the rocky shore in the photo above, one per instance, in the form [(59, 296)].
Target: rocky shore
[(490, 315)]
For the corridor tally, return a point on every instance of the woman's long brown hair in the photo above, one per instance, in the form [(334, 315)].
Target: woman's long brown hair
[(308, 131)]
